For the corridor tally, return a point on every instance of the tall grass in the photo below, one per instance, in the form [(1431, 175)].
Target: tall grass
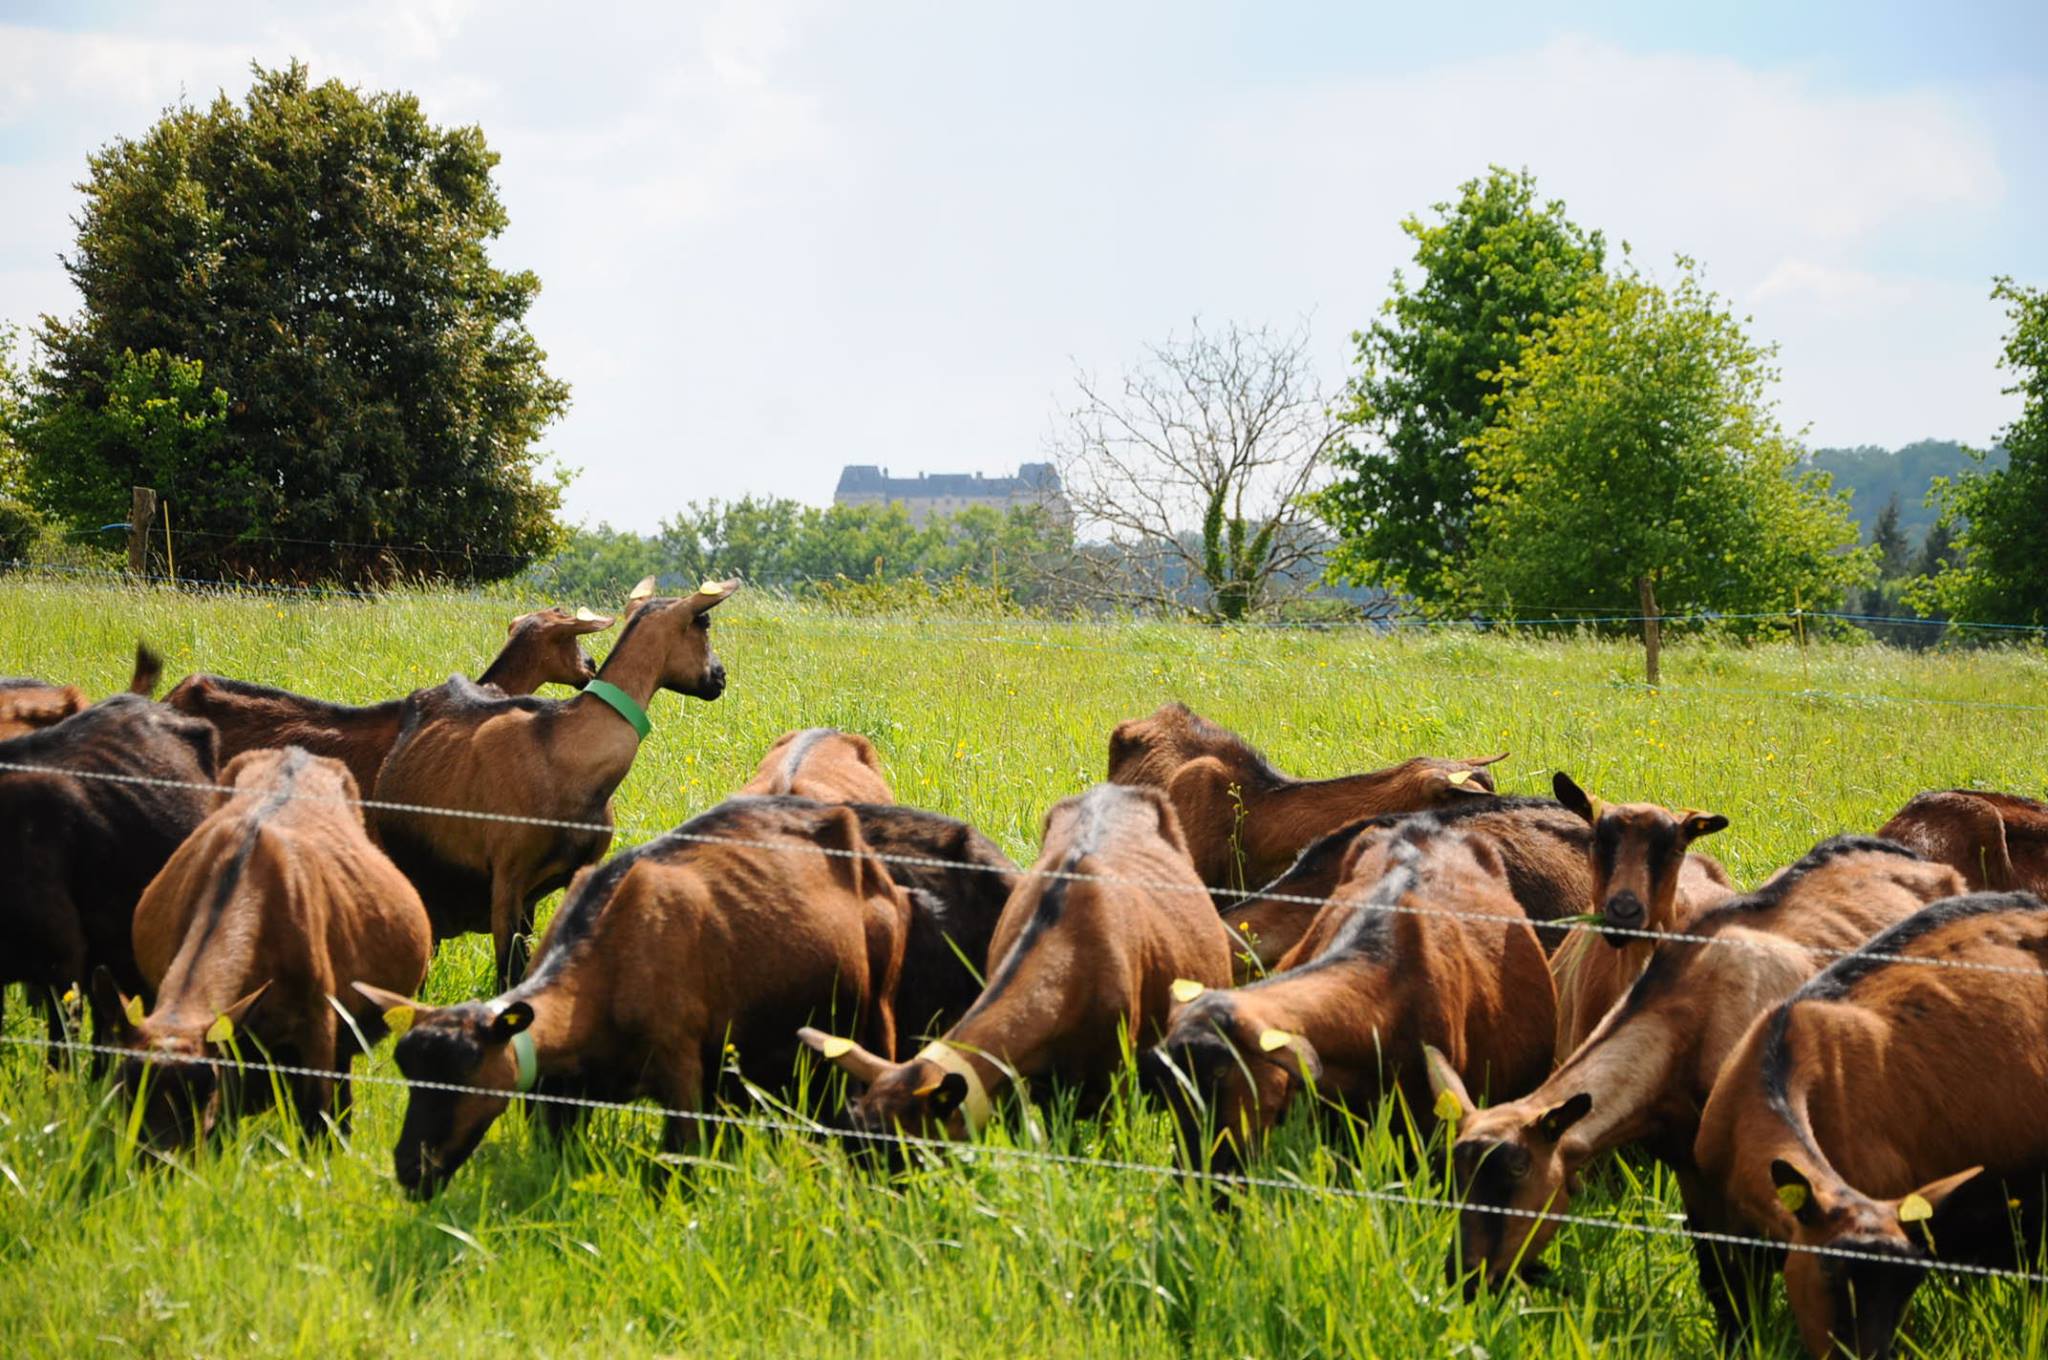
[(772, 1244)]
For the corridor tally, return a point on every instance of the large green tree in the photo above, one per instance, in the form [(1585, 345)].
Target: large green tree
[(1637, 439), (1493, 268), (1999, 514), (317, 255)]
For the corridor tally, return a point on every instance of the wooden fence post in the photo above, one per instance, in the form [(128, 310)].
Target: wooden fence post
[(141, 510), (1652, 634)]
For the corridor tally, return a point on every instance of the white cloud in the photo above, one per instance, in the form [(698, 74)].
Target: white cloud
[(776, 238)]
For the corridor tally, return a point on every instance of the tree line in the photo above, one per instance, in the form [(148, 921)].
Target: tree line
[(291, 327)]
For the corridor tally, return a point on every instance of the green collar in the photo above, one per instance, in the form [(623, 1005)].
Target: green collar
[(623, 702), (528, 1060)]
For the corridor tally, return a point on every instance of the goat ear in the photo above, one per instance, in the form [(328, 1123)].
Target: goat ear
[(228, 1021), (712, 593), (1463, 781), (1923, 1212), (848, 1056), (1453, 1102), (400, 1013), (1698, 824), (1311, 1062), (508, 1022), (1571, 795), (643, 591), (108, 999), (944, 1095), (587, 621), (1795, 1191), (1552, 1123)]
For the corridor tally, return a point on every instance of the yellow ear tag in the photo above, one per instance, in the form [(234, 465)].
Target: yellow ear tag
[(220, 1031), (1460, 777), (1793, 1197), (1914, 1208), (133, 1010), (1274, 1038), (1187, 989), (836, 1047), (1447, 1107), (711, 588), (399, 1019), (929, 1087)]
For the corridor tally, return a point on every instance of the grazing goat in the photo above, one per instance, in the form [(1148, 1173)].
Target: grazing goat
[(269, 909), (1646, 1070), (1646, 878), (825, 764), (1895, 1108), (661, 962), (1542, 844), (542, 648), (1245, 822), (958, 882), (1389, 975), (29, 705), (463, 747), (1080, 968), (1998, 842), (76, 851)]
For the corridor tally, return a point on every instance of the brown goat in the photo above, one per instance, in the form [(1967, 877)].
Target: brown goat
[(822, 763), (1246, 822), (1390, 977), (1543, 845), (541, 648), (1647, 1068), (1998, 842), (1645, 879), (1078, 968), (661, 962), (1895, 1111), (463, 747), (269, 909), (109, 794), (30, 705)]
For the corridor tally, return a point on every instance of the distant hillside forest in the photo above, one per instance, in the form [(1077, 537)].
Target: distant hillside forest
[(1876, 475)]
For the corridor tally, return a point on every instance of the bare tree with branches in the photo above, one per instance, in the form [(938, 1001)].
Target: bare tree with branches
[(1194, 468)]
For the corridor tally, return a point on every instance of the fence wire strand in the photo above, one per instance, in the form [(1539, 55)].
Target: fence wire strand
[(640, 834), (968, 1152)]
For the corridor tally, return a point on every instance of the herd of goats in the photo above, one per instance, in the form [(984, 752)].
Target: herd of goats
[(1846, 1068)]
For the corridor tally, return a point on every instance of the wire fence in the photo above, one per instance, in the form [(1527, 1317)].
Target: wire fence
[(1011, 1155), (636, 835)]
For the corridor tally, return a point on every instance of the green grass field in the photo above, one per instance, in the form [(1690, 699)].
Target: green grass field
[(775, 1245)]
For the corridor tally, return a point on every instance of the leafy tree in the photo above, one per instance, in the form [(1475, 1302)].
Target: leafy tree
[(1494, 268), (317, 255), (1894, 554), (2002, 575), (156, 422), (596, 567), (1636, 439), (19, 523), (784, 544)]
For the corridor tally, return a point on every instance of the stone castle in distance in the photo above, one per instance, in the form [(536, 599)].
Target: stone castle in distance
[(948, 493)]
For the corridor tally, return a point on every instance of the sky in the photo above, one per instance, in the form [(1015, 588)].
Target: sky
[(777, 238)]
